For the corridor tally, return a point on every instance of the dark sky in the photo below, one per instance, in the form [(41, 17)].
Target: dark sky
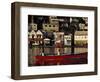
[(39, 20)]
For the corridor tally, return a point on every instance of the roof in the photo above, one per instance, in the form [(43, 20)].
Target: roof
[(39, 32), (81, 33)]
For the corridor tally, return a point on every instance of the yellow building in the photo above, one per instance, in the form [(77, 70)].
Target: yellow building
[(53, 20), (81, 38), (51, 27), (34, 26)]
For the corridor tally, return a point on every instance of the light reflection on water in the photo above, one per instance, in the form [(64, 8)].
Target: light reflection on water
[(53, 51), (64, 51), (76, 50)]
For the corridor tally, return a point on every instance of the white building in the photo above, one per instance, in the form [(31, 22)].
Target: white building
[(81, 37), (67, 39), (37, 37), (46, 41)]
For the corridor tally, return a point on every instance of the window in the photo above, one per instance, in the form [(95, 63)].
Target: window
[(45, 25), (53, 25), (49, 25)]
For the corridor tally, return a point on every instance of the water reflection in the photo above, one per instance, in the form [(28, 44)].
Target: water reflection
[(53, 51), (67, 50)]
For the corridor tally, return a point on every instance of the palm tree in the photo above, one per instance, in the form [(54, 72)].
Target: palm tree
[(69, 26), (73, 27)]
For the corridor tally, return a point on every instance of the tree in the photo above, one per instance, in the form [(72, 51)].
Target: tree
[(39, 20), (73, 27)]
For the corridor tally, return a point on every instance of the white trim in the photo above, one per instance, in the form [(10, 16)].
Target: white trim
[(25, 70)]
